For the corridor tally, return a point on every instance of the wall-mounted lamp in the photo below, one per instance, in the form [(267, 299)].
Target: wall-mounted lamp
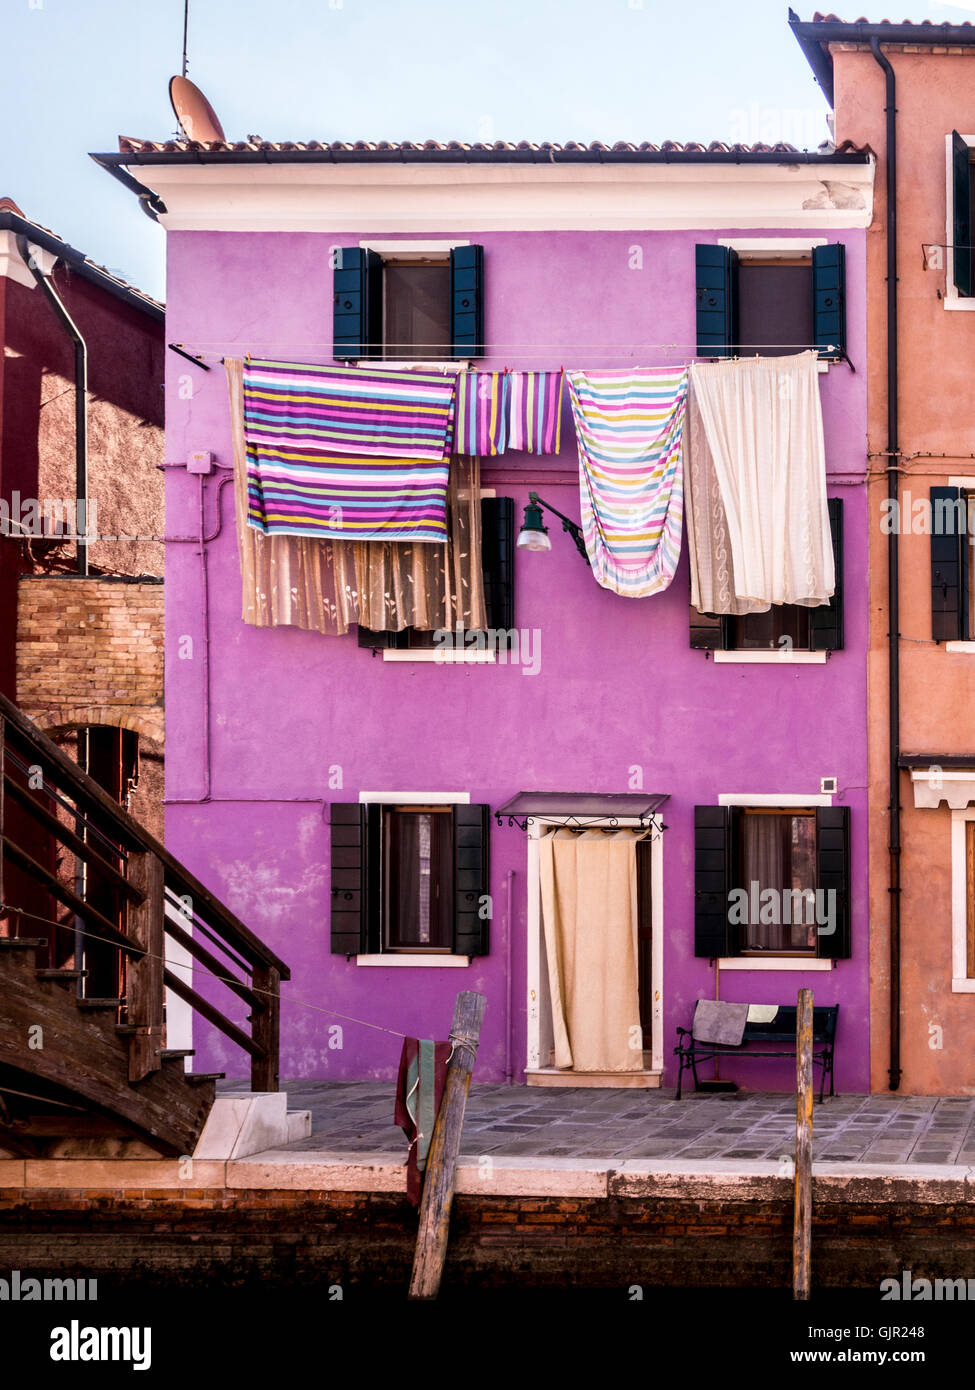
[(534, 533)]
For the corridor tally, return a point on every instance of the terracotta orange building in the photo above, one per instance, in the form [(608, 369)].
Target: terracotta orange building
[(907, 91)]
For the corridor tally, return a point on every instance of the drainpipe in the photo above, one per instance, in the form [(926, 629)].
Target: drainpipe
[(893, 636), (80, 406)]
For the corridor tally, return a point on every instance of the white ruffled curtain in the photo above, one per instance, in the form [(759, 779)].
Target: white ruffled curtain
[(758, 486), (327, 586)]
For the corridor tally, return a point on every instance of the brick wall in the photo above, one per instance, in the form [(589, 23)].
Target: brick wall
[(221, 1236), (90, 651)]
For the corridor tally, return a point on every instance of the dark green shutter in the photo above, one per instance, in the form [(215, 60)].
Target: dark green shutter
[(467, 301), (829, 299), (949, 567), (961, 235), (833, 875), (357, 315), (717, 300), (355, 883), (713, 880), (826, 622), (498, 561), (710, 632), (471, 880)]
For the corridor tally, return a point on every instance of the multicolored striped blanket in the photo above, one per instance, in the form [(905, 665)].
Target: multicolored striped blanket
[(481, 416), (308, 493), (343, 453), (535, 411), (364, 411), (629, 425)]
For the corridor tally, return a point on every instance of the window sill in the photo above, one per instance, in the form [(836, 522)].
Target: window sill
[(452, 364), (423, 962), (443, 656), (816, 963), (960, 646), (965, 305), (770, 658), (963, 986)]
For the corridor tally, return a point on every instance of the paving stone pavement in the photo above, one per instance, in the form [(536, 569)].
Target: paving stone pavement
[(538, 1122)]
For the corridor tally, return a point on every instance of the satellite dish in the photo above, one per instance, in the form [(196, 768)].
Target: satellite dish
[(196, 116)]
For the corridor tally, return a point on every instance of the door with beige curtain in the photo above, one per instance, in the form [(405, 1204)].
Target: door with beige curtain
[(591, 920)]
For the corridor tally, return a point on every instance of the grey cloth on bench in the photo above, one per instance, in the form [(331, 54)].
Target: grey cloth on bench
[(717, 1022)]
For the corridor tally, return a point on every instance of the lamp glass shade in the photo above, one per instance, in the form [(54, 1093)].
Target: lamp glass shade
[(533, 534), (534, 540)]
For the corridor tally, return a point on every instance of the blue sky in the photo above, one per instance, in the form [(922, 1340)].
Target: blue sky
[(78, 73)]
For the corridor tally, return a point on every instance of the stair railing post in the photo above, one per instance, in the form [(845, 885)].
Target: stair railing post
[(266, 1028), (145, 990)]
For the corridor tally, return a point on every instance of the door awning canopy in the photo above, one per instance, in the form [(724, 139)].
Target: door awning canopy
[(581, 808)]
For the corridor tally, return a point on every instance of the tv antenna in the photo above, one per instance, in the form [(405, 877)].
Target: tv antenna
[(197, 118)]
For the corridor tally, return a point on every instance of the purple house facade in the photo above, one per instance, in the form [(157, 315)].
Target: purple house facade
[(621, 714)]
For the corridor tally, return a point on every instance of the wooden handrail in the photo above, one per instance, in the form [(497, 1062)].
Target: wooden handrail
[(81, 848), (148, 879), (213, 1015), (90, 915), (130, 833)]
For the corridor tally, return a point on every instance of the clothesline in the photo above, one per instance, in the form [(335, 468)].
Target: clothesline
[(214, 352)]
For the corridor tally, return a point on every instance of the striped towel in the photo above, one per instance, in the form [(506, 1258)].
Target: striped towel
[(481, 417), (292, 492), (629, 425), (535, 411), (365, 411)]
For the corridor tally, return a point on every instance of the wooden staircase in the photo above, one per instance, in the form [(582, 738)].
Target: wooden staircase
[(88, 902)]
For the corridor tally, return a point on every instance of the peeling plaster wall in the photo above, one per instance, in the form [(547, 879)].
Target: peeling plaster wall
[(619, 687)]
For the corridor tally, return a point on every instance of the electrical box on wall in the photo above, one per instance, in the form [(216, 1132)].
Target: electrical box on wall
[(827, 785), (199, 461)]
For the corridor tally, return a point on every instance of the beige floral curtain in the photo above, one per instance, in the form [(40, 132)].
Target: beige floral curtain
[(327, 586)]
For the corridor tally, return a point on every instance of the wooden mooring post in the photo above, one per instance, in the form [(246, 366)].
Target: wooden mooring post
[(439, 1178), (802, 1224)]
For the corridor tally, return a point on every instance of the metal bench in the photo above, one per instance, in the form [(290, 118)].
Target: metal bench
[(781, 1030)]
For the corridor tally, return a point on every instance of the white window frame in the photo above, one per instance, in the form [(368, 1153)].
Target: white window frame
[(787, 801), (442, 961), (952, 299), (960, 981), (538, 997)]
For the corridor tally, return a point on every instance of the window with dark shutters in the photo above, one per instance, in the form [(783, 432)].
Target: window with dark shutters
[(824, 625), (360, 894), (721, 865), (771, 304), (498, 576), (416, 312), (949, 565), (962, 229)]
